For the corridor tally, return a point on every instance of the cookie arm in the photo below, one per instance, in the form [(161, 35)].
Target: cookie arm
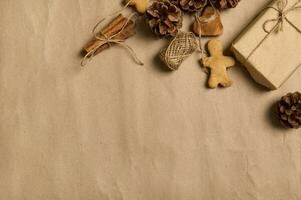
[(207, 62), (229, 61)]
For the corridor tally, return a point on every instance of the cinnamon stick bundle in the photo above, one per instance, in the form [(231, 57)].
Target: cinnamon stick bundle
[(121, 26)]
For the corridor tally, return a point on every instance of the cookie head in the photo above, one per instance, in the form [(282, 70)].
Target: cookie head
[(215, 47)]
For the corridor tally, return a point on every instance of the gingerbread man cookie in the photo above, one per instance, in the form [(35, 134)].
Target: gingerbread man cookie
[(139, 4), (218, 64)]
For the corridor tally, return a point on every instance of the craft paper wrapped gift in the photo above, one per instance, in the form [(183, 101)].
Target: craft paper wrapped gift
[(271, 54)]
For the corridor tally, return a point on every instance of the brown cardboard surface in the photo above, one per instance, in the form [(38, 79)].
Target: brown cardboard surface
[(115, 130)]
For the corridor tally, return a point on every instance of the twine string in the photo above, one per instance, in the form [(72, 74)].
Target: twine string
[(203, 20), (105, 39), (280, 19)]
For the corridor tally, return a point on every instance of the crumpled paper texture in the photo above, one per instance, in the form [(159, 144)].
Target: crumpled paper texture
[(278, 57), (118, 131)]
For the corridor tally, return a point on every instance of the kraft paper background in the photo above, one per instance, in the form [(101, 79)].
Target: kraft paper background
[(118, 131)]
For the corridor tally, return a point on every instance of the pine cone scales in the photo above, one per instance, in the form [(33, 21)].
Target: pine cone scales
[(224, 4), (289, 110), (192, 5), (175, 2), (164, 18)]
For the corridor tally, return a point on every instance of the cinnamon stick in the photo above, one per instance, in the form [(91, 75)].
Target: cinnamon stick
[(121, 26)]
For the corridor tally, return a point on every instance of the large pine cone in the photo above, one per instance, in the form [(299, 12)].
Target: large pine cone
[(164, 18), (224, 4), (192, 5), (289, 109)]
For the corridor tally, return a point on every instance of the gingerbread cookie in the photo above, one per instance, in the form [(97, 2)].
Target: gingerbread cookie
[(218, 64)]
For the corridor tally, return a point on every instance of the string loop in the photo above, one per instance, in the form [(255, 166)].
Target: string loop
[(280, 19)]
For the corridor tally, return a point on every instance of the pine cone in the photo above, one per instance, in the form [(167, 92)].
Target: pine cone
[(289, 110), (192, 5), (224, 4), (164, 18)]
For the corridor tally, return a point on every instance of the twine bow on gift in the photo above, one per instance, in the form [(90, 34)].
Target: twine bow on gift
[(282, 12), (104, 39), (279, 20)]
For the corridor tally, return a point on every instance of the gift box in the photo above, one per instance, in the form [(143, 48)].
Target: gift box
[(270, 47)]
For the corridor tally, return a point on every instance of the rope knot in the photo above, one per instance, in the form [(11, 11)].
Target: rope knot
[(281, 18)]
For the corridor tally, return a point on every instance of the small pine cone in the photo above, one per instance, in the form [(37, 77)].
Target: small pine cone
[(289, 110), (164, 18), (192, 5), (224, 4)]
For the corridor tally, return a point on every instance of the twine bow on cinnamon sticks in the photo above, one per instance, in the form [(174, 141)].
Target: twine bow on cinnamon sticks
[(115, 32), (279, 21)]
